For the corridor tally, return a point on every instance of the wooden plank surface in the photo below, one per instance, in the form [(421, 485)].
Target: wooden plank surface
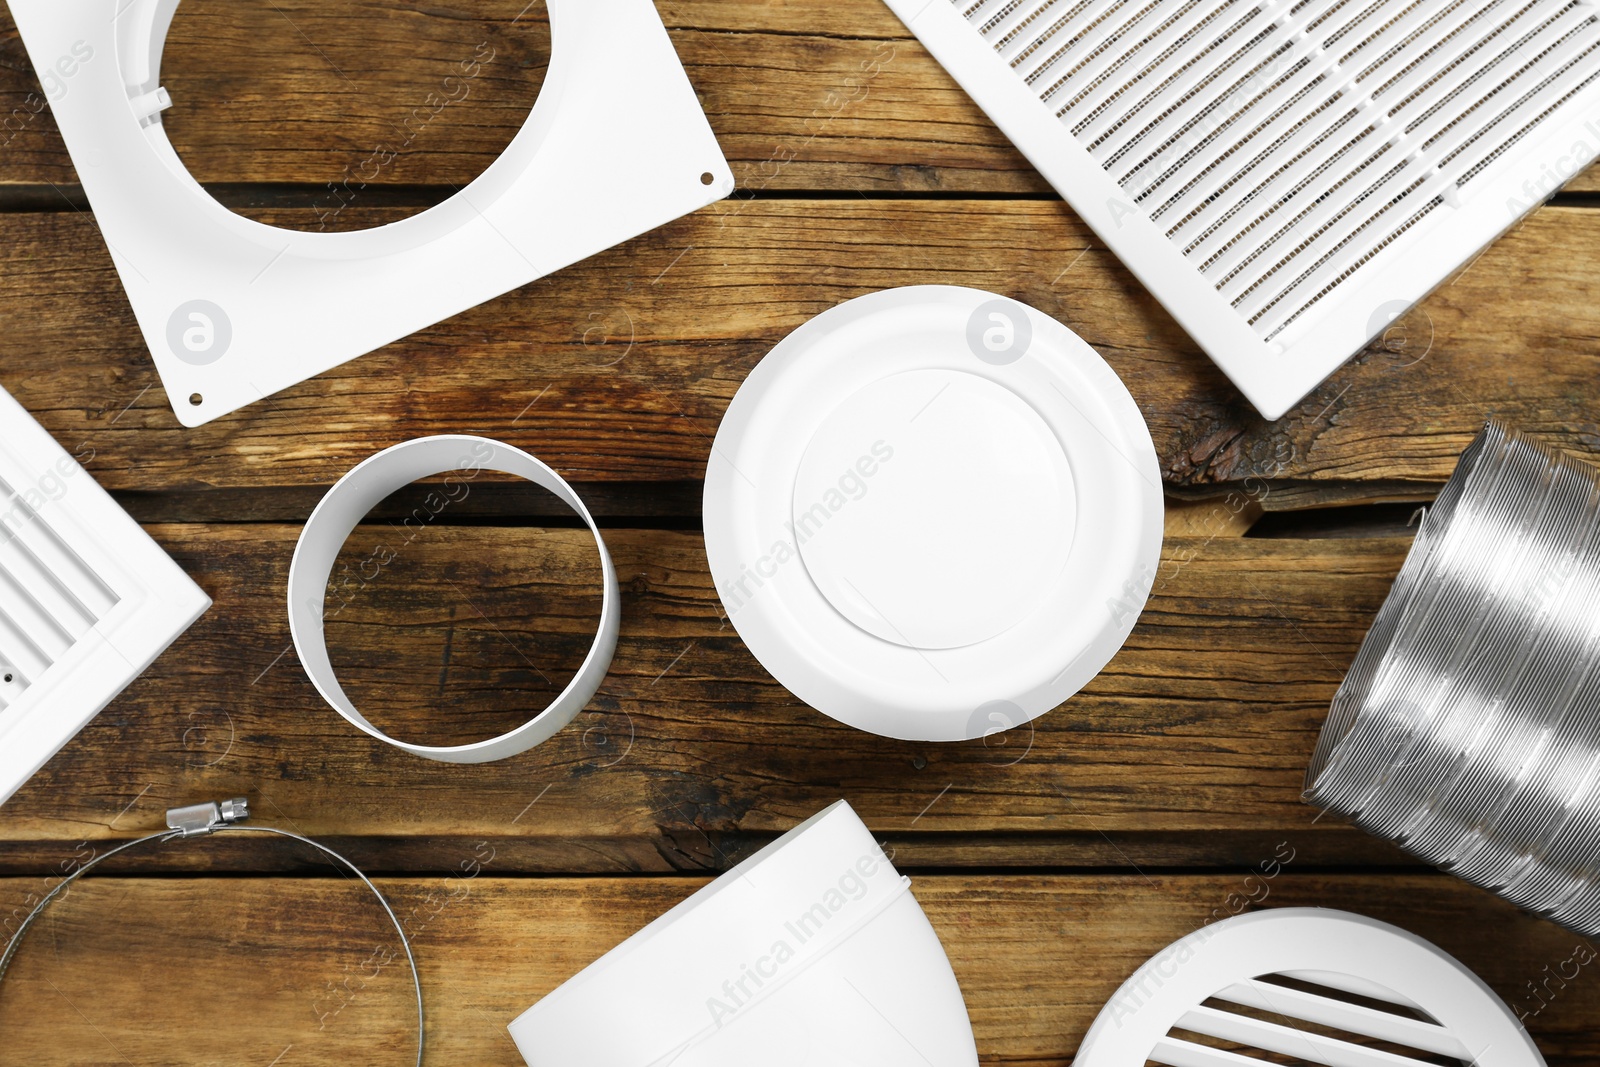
[(1052, 860), (1037, 957), (619, 369), (627, 380), (1216, 699), (802, 95)]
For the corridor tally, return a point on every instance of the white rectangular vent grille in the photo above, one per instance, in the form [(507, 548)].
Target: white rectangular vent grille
[(1287, 153), (87, 599)]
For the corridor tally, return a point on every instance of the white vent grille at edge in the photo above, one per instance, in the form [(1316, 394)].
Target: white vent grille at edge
[(49, 598), (1281, 145)]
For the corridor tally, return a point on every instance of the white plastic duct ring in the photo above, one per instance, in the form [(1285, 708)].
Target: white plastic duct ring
[(234, 310), (811, 953), (1316, 967), (933, 513), (349, 501)]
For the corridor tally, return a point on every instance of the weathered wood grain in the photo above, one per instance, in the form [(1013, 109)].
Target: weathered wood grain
[(1186, 753), (136, 971), (620, 368), (1203, 724), (810, 95)]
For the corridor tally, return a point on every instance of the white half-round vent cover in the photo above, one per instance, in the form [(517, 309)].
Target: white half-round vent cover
[(234, 310), (1316, 985), (811, 953)]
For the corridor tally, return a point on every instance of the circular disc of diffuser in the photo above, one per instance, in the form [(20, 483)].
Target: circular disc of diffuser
[(933, 512)]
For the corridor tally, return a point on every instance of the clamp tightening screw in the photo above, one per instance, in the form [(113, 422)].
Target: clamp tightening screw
[(197, 819)]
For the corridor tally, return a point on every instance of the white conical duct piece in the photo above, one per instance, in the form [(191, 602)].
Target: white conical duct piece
[(811, 953), (1284, 981)]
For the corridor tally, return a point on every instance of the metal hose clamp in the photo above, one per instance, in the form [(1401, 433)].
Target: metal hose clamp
[(203, 820)]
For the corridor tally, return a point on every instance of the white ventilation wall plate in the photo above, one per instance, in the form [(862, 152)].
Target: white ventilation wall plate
[(87, 599), (1286, 176), (1315, 985), (234, 310)]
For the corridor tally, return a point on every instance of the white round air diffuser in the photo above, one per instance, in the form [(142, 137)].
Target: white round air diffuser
[(933, 512), (811, 953), (1312, 984)]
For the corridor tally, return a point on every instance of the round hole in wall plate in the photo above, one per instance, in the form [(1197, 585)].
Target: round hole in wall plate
[(418, 100)]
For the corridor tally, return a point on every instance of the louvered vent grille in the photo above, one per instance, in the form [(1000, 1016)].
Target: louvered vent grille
[(1324, 1020), (1282, 146), (87, 599), (49, 597)]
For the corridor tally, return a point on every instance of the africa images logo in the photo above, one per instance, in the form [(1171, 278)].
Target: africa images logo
[(199, 332), (851, 886), (1553, 174), (851, 485)]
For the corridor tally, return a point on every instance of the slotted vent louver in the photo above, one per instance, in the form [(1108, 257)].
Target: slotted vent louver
[(1286, 177), (1305, 986), (49, 598), (87, 599)]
